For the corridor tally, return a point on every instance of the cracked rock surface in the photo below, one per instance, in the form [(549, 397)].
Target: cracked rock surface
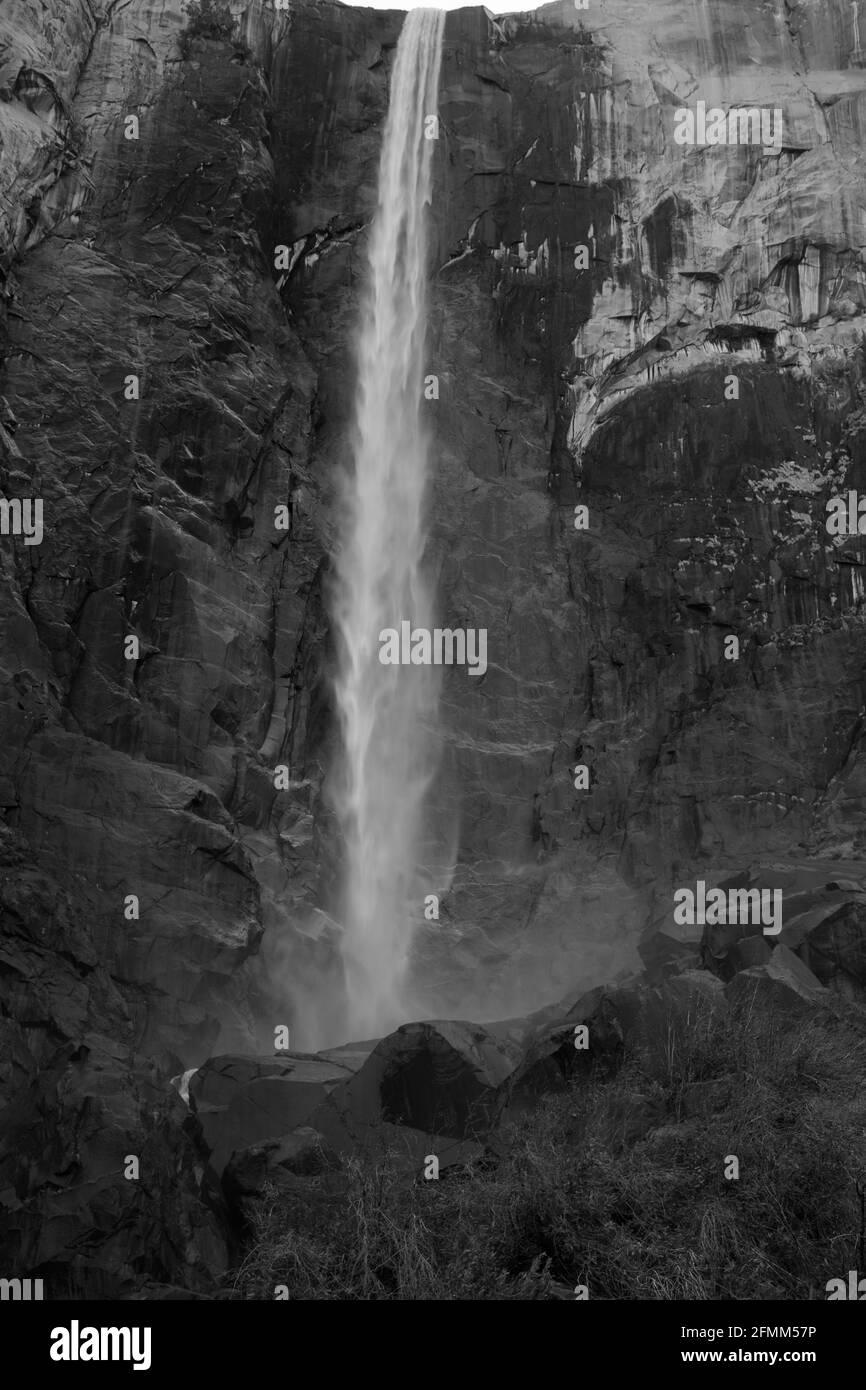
[(152, 776)]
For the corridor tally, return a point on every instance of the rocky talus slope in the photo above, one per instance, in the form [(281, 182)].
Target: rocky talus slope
[(150, 777)]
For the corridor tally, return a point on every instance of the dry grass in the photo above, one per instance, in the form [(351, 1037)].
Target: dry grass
[(616, 1184)]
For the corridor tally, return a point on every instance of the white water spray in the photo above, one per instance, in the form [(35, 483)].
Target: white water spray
[(387, 713)]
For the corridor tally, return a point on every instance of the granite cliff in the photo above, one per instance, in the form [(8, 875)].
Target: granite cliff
[(162, 900)]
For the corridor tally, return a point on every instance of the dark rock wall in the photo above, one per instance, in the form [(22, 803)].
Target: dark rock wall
[(607, 387), (558, 386), (150, 777)]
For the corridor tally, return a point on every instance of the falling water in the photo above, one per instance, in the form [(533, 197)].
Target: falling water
[(387, 713)]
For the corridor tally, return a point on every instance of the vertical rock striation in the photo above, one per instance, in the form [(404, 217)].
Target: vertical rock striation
[(560, 386)]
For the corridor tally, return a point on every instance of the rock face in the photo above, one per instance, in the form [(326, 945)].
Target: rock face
[(784, 982), (73, 1206), (131, 894), (240, 1101), (608, 389), (164, 389), (821, 932)]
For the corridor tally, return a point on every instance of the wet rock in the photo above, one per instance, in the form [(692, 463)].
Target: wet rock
[(784, 984), (644, 1012), (743, 954), (620, 1021), (241, 1101), (304, 1152), (153, 776), (823, 922), (553, 1061), (279, 1164), (831, 940), (215, 1084), (438, 1077), (665, 951)]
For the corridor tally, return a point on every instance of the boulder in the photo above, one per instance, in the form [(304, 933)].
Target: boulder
[(283, 1164), (437, 1077), (215, 1084), (831, 941), (241, 1101), (304, 1153), (440, 1076), (551, 1060), (644, 1011), (667, 947), (823, 922), (784, 983), (744, 953)]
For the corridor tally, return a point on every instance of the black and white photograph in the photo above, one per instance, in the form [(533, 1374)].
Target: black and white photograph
[(432, 669)]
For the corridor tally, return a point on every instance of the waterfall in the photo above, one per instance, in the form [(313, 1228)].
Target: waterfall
[(387, 714)]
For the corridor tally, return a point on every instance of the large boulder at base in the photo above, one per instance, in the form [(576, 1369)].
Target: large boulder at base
[(784, 983), (304, 1153), (743, 954), (283, 1164), (214, 1084), (628, 1017), (552, 1058), (437, 1077), (667, 947), (729, 946), (830, 938), (242, 1101), (823, 920), (552, 1061), (644, 1011), (349, 1055)]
